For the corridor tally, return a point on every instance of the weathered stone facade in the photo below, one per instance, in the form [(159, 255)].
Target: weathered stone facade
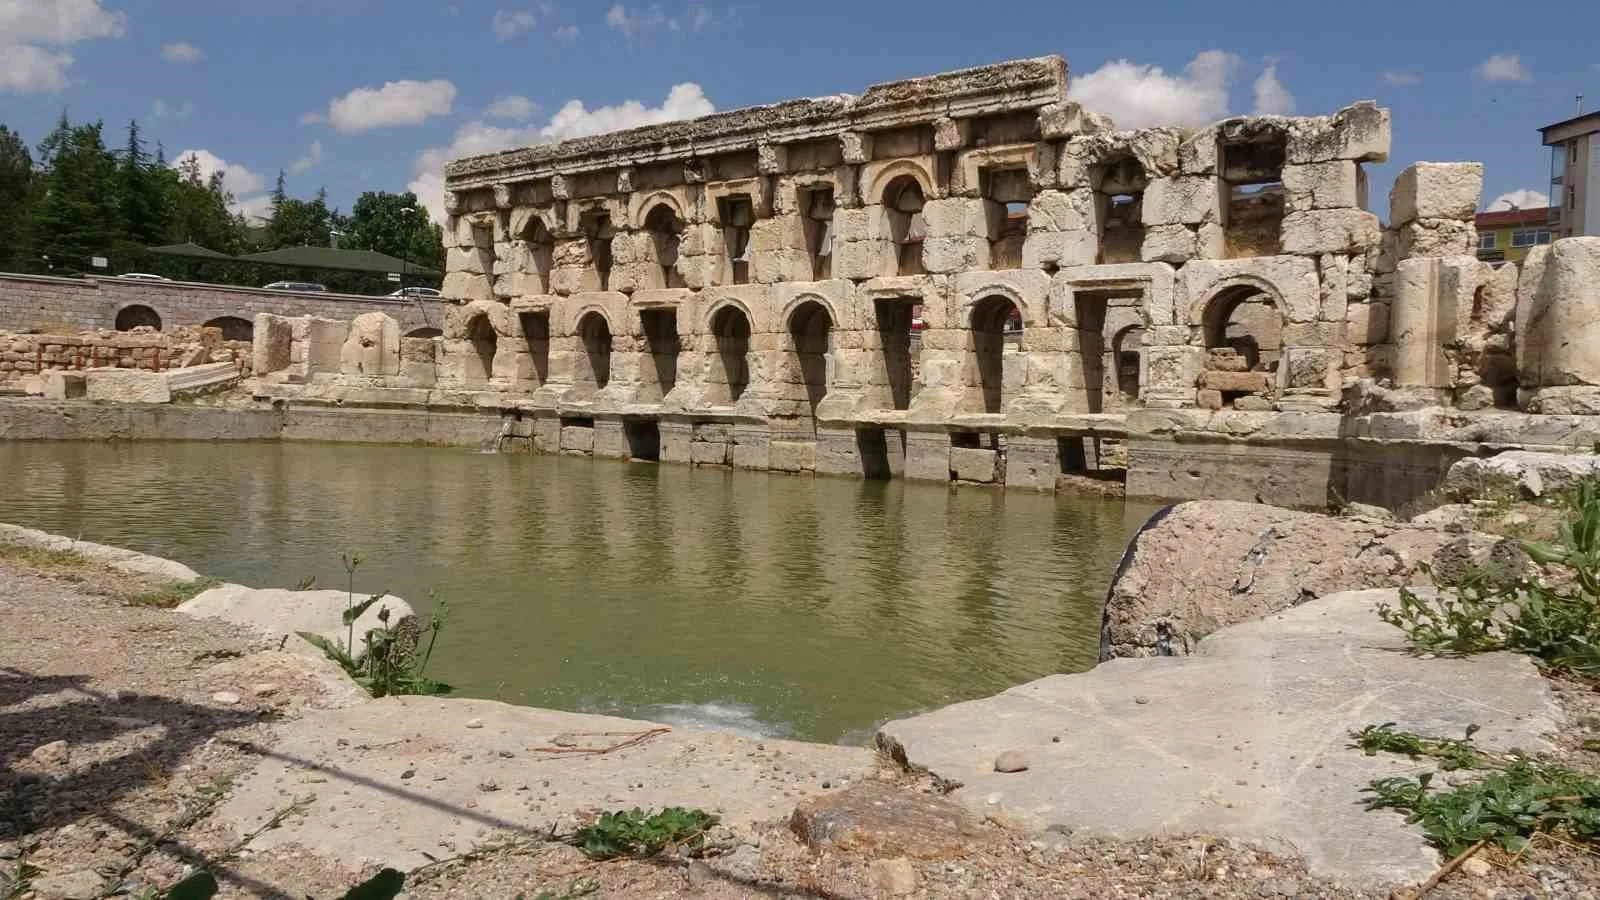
[(964, 277), (26, 360)]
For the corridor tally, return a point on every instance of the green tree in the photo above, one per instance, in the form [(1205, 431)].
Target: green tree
[(395, 224), (145, 204), (16, 198), (76, 216), (298, 223)]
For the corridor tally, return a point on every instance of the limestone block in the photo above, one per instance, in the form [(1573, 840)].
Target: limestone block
[(1367, 323), (1315, 334), (1174, 244), (610, 441), (708, 453), (577, 439), (1072, 164), (1067, 119), (1211, 241), (969, 464), (1430, 190), (1332, 269), (1326, 185), (270, 343), (1435, 237), (955, 254), (860, 260), (1198, 154), (59, 384), (1497, 300), (1358, 283), (956, 217), (466, 260), (1182, 200), (1558, 315), (1251, 382), (1061, 211), (1361, 132), (1423, 317), (792, 456), (373, 346), (464, 287), (126, 386), (1317, 232), (1059, 248)]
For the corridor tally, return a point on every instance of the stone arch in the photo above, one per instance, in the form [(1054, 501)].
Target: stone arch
[(809, 327), (1221, 293), (137, 315), (664, 224), (1127, 362), (644, 205), (426, 332), (1241, 328), (900, 168), (730, 328), (988, 321), (233, 328), (1033, 313), (484, 344), (904, 201), (786, 316), (594, 340)]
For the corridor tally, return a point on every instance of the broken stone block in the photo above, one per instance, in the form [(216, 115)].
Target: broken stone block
[(970, 464), (1174, 244), (1236, 382), (792, 456), (1208, 399), (1317, 232), (1182, 200), (1430, 190), (1435, 237), (1327, 185), (126, 386), (63, 385), (880, 819)]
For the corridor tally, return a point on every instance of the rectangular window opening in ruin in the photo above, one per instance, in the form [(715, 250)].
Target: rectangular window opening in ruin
[(1119, 207), (1006, 194), (738, 216), (873, 445), (896, 318), (541, 251), (660, 328), (536, 332), (816, 206), (577, 422), (597, 228), (1072, 455), (644, 439), (1252, 179), (1090, 308)]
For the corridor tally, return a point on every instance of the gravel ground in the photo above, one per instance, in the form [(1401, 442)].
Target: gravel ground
[(121, 726)]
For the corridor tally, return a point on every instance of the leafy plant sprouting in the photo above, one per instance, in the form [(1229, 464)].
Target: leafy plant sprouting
[(395, 661), (635, 833), (1452, 753), (1553, 616), (1507, 807)]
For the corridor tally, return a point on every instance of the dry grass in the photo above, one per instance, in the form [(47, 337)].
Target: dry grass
[(98, 578)]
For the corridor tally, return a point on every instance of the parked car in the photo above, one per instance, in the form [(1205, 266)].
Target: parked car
[(416, 292), (143, 276), (302, 287)]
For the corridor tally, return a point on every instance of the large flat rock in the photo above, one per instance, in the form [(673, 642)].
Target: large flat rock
[(1246, 738), (394, 780)]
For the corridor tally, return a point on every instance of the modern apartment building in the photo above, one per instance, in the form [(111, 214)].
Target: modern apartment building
[(1574, 175), (1508, 235)]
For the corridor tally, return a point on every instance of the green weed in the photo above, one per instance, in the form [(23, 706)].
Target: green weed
[(172, 594), (1507, 807), (1553, 616), (17, 881), (396, 659), (1452, 753), (635, 833)]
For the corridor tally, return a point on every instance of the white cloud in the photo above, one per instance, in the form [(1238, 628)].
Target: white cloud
[(161, 109), (304, 163), (26, 69), (1272, 98), (1402, 79), (1142, 96), (248, 189), (512, 107), (566, 34), (182, 52), (396, 103), (58, 21), (1523, 199), (508, 23), (1503, 67), (27, 27), (684, 101), (632, 25)]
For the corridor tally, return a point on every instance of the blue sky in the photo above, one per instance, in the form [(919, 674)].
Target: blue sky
[(261, 85)]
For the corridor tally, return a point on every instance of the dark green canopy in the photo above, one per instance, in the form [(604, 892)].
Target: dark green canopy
[(187, 249), (330, 258)]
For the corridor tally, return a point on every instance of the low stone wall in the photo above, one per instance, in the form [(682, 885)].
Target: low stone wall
[(43, 303), (24, 355)]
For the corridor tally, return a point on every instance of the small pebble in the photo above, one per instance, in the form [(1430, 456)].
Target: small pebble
[(474, 723), (1011, 761), (228, 698), (409, 773)]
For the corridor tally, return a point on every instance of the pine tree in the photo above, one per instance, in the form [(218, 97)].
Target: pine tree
[(145, 210), (77, 217), (16, 198)]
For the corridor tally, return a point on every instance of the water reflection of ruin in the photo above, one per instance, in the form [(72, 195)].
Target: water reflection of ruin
[(744, 289)]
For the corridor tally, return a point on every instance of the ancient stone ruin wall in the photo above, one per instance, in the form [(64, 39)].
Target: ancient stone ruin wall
[(25, 358), (961, 276)]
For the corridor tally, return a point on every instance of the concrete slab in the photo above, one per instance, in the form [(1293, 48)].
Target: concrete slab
[(1247, 738), (392, 780)]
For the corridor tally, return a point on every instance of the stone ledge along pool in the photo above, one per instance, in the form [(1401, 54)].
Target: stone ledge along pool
[(788, 606)]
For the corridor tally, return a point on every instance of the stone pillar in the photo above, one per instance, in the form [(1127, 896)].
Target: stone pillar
[(609, 440), (1558, 328), (751, 446), (927, 456), (676, 437), (1428, 291), (837, 452)]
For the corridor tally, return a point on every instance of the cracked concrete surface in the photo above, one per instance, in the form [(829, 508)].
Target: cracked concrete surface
[(1248, 738)]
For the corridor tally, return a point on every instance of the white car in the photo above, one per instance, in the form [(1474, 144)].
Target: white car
[(301, 287), (416, 292), (143, 276)]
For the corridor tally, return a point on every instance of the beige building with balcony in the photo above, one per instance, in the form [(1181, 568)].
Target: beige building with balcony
[(1574, 175)]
